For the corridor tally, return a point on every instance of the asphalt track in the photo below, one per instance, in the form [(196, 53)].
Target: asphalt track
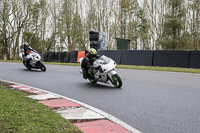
[(150, 101)]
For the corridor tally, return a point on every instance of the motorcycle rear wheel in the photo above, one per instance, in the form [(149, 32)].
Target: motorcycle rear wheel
[(28, 66), (91, 79), (116, 81)]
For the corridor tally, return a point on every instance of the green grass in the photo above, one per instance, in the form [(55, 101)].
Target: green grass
[(67, 64), (19, 114), (11, 61), (170, 69)]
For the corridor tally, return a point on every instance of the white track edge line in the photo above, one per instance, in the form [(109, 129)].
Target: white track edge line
[(106, 115)]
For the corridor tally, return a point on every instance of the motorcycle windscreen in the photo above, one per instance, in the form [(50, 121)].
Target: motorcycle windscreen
[(108, 67)]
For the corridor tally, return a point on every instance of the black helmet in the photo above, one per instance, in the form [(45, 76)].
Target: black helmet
[(26, 45), (93, 53)]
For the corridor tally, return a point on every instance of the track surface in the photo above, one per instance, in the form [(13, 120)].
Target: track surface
[(150, 101)]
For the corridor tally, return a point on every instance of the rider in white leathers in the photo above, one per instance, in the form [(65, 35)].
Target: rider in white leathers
[(25, 52)]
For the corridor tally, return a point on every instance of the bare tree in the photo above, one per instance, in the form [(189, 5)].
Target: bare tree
[(5, 33)]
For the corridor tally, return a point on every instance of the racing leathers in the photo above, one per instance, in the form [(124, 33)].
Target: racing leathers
[(87, 64)]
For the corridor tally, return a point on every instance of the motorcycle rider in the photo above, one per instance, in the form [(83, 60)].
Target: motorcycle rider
[(88, 60), (25, 51)]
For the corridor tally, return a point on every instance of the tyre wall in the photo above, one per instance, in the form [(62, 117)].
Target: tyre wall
[(73, 56), (64, 57), (171, 58), (164, 58), (45, 57), (139, 57), (52, 57), (194, 59)]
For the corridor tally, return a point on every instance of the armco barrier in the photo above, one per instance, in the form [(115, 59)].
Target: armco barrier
[(113, 54), (194, 59), (139, 57), (171, 58)]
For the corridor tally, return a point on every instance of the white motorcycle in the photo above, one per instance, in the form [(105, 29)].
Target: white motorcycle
[(34, 61), (105, 72)]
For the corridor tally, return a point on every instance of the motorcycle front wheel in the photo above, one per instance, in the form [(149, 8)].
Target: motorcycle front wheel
[(42, 66), (116, 81)]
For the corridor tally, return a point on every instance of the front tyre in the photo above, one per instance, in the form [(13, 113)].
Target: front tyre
[(42, 66), (116, 81)]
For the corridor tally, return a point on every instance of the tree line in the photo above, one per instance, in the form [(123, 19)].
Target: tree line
[(57, 25)]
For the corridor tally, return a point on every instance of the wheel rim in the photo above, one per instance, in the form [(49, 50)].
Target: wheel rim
[(90, 79), (42, 68), (115, 81)]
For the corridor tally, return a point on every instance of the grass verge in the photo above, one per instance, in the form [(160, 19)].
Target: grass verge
[(170, 69), (19, 114)]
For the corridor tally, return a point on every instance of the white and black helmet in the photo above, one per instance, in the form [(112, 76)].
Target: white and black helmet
[(25, 45)]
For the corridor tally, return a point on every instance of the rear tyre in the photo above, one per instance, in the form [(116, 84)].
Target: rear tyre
[(116, 81), (28, 66), (24, 63), (91, 79)]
